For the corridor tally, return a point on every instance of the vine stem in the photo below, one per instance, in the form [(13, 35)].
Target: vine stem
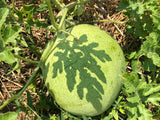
[(58, 4), (51, 14), (23, 89), (27, 60), (62, 22), (111, 21)]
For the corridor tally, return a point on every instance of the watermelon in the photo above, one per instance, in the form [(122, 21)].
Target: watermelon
[(83, 70)]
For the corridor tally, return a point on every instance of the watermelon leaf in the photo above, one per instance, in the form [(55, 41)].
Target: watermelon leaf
[(3, 14), (7, 56), (139, 93), (8, 116)]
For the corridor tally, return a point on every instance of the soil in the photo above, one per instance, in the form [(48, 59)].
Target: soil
[(103, 9)]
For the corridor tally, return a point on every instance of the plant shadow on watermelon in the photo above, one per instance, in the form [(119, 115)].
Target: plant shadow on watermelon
[(77, 57)]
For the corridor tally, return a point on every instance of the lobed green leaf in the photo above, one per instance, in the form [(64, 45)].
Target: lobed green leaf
[(154, 99), (152, 90), (3, 15), (147, 65), (11, 33), (144, 113), (151, 47), (8, 116), (139, 92), (7, 56)]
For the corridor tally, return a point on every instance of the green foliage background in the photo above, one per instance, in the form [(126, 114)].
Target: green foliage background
[(141, 90)]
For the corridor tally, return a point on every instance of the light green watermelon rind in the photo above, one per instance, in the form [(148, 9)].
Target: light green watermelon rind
[(83, 74)]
